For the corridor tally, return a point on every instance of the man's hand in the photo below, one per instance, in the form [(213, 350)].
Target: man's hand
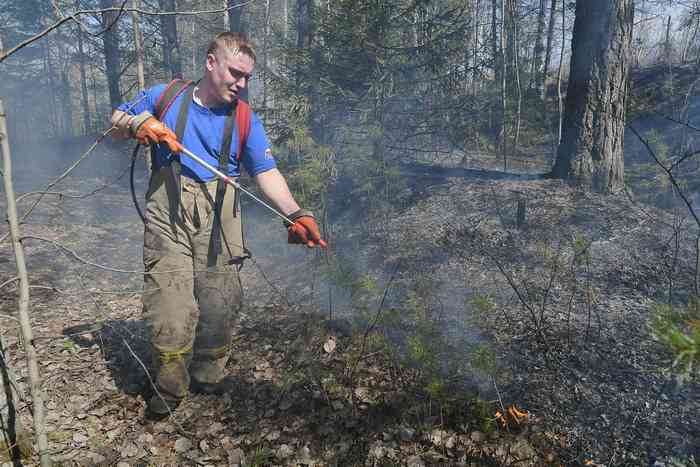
[(148, 130), (304, 230)]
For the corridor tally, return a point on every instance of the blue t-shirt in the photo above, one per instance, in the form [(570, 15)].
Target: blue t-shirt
[(203, 136)]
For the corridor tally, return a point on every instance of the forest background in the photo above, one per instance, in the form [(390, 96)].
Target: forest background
[(363, 98)]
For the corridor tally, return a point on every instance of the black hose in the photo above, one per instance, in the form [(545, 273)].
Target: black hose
[(134, 155)]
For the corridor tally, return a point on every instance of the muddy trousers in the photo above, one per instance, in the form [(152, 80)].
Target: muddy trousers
[(192, 291)]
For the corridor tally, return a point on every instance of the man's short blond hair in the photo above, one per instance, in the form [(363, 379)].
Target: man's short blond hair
[(232, 41)]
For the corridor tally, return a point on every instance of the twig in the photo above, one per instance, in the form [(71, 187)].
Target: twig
[(107, 268), (60, 194), (73, 166), (155, 389), (500, 402), (9, 281), (669, 174), (375, 320)]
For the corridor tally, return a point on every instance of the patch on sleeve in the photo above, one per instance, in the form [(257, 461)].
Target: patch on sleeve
[(268, 154)]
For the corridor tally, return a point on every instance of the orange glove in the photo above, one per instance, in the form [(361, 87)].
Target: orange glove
[(148, 130), (304, 230)]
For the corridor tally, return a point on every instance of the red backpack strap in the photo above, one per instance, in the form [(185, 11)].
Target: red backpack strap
[(169, 95), (243, 124)]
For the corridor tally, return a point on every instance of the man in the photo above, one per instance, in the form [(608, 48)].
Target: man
[(193, 240)]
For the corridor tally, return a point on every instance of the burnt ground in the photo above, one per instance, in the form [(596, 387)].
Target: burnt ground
[(449, 311)]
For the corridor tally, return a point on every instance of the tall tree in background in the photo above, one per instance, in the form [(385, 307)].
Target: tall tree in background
[(548, 48), (235, 15), (85, 102), (536, 87), (171, 46), (111, 49), (590, 153), (138, 44)]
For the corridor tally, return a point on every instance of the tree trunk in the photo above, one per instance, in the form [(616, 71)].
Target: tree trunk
[(171, 46), (51, 80), (560, 99), (138, 45), (15, 440), (111, 49), (303, 35), (23, 309), (235, 16), (516, 71), (504, 72), (265, 53), (83, 78), (498, 72), (66, 99), (667, 43), (548, 49), (475, 48), (536, 76), (591, 152)]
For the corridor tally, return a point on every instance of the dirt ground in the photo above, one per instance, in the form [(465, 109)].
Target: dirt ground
[(557, 299)]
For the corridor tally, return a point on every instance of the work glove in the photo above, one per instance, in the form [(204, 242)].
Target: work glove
[(148, 130), (304, 230)]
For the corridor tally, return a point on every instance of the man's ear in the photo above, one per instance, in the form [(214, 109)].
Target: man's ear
[(211, 59)]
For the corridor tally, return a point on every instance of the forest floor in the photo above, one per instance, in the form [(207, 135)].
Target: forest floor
[(460, 333)]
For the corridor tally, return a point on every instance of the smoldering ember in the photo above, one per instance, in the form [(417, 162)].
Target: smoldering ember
[(350, 233)]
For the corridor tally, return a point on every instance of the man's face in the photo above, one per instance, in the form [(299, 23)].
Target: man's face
[(229, 73)]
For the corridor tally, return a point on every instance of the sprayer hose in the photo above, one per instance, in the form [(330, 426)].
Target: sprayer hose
[(134, 155)]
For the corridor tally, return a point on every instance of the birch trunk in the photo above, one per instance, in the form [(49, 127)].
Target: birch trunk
[(536, 76), (138, 45), (15, 441), (23, 312)]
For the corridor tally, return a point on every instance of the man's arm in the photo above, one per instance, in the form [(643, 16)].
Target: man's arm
[(304, 229), (274, 187)]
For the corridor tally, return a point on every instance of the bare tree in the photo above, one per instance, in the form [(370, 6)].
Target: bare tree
[(590, 153), (23, 309)]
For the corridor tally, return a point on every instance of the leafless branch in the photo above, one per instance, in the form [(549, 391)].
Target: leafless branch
[(374, 322), (153, 385), (84, 156), (76, 256), (74, 17), (669, 174)]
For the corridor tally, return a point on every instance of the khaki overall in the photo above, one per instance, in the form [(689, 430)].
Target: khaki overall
[(192, 288)]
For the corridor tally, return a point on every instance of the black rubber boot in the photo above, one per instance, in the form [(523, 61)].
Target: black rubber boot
[(160, 408)]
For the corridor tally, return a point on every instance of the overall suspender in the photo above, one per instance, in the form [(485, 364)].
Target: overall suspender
[(239, 115)]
